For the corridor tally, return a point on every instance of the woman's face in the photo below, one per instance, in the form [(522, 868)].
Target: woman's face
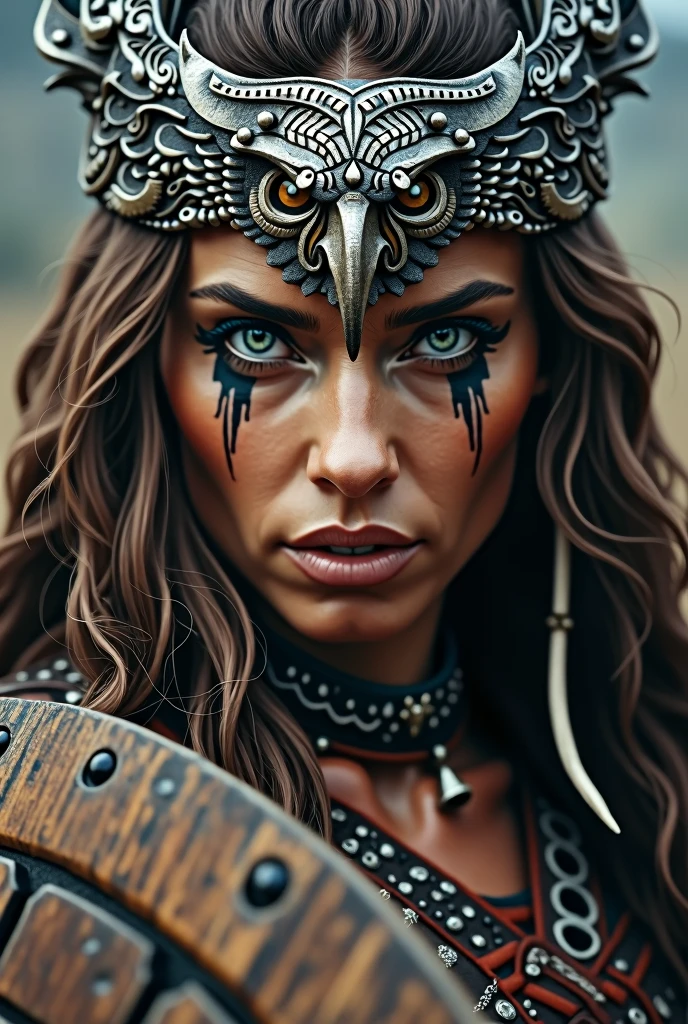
[(350, 493)]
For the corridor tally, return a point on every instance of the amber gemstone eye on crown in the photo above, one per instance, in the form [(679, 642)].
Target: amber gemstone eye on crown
[(291, 195), (415, 196), (399, 166)]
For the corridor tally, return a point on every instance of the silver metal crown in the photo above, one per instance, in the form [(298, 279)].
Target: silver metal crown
[(351, 187)]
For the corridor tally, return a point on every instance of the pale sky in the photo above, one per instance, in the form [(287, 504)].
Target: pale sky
[(670, 13)]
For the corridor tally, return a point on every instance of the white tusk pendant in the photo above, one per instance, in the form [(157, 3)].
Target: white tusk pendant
[(560, 624)]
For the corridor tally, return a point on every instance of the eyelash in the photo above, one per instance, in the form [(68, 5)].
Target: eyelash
[(215, 341), (486, 334), (485, 331)]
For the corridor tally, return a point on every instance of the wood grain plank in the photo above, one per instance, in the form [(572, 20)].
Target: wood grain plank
[(10, 895), (174, 838), (69, 962), (186, 1005)]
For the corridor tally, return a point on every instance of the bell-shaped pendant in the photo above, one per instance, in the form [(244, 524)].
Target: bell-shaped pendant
[(453, 792)]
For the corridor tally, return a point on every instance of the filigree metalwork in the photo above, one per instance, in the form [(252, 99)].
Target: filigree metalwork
[(350, 187)]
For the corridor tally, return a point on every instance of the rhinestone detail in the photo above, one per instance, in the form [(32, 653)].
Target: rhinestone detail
[(447, 955)]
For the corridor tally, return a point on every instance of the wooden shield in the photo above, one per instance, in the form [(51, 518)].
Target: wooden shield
[(140, 884)]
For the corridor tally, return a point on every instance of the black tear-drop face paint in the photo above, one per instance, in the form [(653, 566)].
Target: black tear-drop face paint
[(468, 394), (234, 403)]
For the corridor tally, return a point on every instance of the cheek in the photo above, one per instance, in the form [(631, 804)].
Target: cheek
[(508, 394), (475, 417), (510, 387), (472, 482), (262, 458), (222, 503), (194, 398)]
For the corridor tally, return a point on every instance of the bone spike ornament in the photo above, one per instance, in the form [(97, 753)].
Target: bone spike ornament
[(351, 187)]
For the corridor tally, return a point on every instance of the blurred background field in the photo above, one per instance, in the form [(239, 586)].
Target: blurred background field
[(41, 206)]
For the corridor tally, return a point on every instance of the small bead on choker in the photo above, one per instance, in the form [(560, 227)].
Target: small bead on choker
[(341, 713)]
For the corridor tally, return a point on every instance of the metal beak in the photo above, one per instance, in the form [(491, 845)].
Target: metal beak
[(353, 245)]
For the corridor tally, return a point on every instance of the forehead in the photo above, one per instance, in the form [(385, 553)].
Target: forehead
[(223, 255)]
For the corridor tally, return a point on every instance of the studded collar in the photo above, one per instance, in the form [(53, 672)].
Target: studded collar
[(353, 715), (335, 709)]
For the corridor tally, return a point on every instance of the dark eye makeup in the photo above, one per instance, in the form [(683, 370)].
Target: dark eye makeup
[(452, 344), (249, 346), (246, 348), (253, 347)]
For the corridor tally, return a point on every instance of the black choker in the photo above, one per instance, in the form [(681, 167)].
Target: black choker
[(345, 714), (339, 710)]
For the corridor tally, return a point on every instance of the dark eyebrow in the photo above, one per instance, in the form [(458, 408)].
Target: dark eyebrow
[(226, 292), (465, 296)]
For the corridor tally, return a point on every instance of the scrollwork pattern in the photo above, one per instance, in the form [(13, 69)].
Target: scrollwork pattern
[(170, 157)]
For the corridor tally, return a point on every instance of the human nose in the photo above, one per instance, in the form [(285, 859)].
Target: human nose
[(353, 453)]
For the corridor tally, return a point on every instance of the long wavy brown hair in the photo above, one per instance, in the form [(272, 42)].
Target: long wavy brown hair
[(103, 555)]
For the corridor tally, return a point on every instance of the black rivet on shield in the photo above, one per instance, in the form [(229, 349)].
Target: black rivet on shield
[(5, 739), (266, 883), (100, 768)]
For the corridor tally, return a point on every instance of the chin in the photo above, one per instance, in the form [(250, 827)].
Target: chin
[(349, 618)]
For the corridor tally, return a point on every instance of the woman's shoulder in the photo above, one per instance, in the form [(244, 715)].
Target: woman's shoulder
[(51, 679), (56, 679)]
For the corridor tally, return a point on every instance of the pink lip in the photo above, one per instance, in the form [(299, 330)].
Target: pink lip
[(366, 570), (339, 536)]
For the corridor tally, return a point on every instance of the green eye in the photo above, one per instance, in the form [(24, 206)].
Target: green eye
[(444, 339), (255, 342), (258, 341)]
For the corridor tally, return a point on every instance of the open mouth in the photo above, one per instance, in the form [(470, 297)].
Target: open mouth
[(367, 549), (352, 565)]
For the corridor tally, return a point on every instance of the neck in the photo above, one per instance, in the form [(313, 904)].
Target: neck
[(398, 660)]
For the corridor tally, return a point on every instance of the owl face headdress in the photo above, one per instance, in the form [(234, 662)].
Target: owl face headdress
[(351, 187)]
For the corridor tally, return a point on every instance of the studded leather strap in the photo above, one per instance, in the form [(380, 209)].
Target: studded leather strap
[(556, 963)]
